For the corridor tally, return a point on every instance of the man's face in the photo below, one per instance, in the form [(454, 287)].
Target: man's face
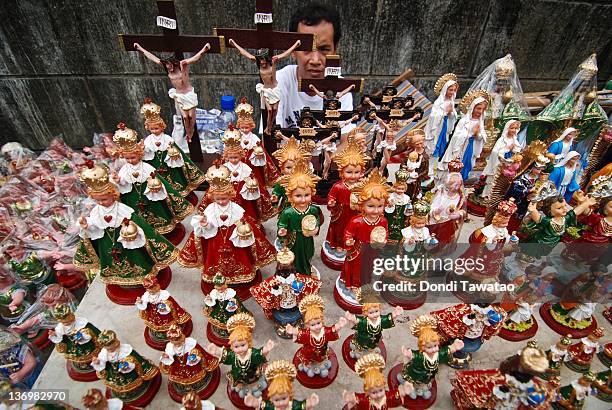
[(311, 64)]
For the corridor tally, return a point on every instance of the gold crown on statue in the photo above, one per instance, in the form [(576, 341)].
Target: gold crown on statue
[(280, 368), (219, 280), (150, 110), (96, 179), (565, 341), (293, 150), (63, 313), (94, 399), (191, 401), (589, 377), (588, 68), (351, 155), (369, 362), (506, 208), (468, 98), (422, 322), (504, 67), (533, 359), (218, 177), (312, 301), (108, 338), (455, 165), (126, 138), (443, 80), (150, 282), (285, 256), (241, 320), (421, 208), (373, 180), (232, 141), (244, 109), (402, 175)]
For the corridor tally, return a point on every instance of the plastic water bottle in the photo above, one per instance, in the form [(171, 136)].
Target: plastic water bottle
[(228, 115)]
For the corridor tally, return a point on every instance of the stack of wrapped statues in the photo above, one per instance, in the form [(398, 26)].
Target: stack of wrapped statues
[(133, 210)]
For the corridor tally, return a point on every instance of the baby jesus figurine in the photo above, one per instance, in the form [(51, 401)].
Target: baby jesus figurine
[(268, 87), (183, 93)]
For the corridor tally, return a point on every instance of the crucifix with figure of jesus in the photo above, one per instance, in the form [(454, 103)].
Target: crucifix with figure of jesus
[(265, 40), (177, 67)]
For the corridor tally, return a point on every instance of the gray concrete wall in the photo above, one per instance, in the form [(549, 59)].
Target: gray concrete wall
[(62, 72)]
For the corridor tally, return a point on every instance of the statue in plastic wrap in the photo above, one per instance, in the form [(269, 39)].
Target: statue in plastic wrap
[(18, 364), (375, 394), (129, 376), (280, 375), (118, 242), (575, 106), (144, 190), (13, 294), (160, 311), (166, 157), (280, 295), (188, 366), (77, 340)]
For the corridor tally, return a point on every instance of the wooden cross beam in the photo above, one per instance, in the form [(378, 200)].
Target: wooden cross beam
[(172, 41), (332, 80), (263, 36)]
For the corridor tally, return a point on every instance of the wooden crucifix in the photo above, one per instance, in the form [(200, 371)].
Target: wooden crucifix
[(171, 41)]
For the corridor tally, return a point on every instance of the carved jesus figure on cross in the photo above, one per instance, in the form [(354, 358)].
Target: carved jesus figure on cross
[(268, 87), (183, 93)]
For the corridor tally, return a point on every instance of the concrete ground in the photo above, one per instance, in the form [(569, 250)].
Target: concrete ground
[(185, 288)]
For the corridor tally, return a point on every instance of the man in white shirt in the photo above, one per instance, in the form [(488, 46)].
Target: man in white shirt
[(325, 23)]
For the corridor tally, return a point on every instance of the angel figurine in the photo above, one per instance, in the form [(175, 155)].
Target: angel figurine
[(146, 191), (280, 295), (280, 375), (188, 366), (77, 340), (368, 228), (351, 165), (219, 305), (268, 88), (368, 328), (317, 362), (162, 152), (258, 159), (375, 394), (247, 363), (299, 223), (442, 119), (160, 311), (288, 156), (225, 239), (421, 365), (118, 242), (183, 94), (129, 376), (470, 134)]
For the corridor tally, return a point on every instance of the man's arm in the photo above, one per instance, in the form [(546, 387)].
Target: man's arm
[(148, 54), (242, 50), (196, 57)]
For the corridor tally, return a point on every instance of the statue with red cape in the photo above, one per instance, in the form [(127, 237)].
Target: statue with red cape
[(225, 239)]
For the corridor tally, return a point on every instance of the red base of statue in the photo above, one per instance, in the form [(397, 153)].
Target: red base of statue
[(128, 296), (407, 304), (354, 309), (145, 398), (80, 376), (205, 393), (161, 344), (346, 352), (475, 209), (330, 263), (419, 403), (176, 236), (192, 198), (565, 330), (511, 336), (318, 382), (214, 338), (71, 281), (237, 401), (242, 290)]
